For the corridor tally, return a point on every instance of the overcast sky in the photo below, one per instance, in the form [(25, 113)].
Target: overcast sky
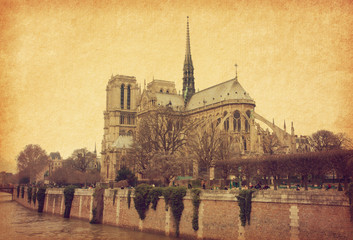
[(295, 58)]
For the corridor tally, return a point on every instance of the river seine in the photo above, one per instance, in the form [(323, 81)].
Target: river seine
[(18, 222)]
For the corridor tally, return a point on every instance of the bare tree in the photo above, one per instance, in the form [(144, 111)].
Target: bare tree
[(167, 166), (320, 165), (227, 167), (68, 175), (270, 143), (249, 168), (31, 161), (345, 142), (82, 159), (61, 175), (342, 163), (168, 129), (204, 144), (142, 147), (160, 137), (227, 158), (324, 140)]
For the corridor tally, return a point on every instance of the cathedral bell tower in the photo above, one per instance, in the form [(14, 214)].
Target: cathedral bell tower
[(188, 70)]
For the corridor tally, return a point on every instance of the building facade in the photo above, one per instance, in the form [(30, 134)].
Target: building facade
[(227, 104), (123, 96)]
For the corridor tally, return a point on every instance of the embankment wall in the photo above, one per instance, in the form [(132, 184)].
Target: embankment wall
[(282, 214)]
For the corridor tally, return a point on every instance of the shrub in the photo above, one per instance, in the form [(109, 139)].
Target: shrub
[(167, 192), (126, 174), (41, 198), (34, 197), (142, 200), (114, 196), (98, 205), (29, 194), (22, 191), (244, 202), (154, 195), (174, 197), (349, 193), (94, 216), (145, 194), (129, 198), (196, 203), (69, 193)]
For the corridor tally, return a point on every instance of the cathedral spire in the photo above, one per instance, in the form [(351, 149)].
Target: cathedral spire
[(188, 70), (188, 49)]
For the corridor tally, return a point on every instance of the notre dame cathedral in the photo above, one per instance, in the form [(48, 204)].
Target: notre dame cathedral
[(228, 103)]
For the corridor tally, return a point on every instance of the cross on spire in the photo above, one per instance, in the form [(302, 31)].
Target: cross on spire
[(236, 71)]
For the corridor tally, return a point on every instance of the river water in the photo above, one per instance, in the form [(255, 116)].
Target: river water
[(18, 222)]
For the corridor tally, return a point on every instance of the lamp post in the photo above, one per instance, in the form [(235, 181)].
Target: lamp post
[(239, 169)]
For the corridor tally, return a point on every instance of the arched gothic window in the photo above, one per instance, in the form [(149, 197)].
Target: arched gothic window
[(107, 162), (244, 141), (247, 125), (226, 122), (128, 96), (121, 119), (236, 121), (122, 96), (218, 122)]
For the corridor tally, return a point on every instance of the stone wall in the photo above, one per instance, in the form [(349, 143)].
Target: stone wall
[(282, 214)]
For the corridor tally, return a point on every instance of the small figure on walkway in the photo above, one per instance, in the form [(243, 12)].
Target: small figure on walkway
[(258, 186)]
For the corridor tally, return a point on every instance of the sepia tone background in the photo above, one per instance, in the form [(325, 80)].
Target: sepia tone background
[(295, 58)]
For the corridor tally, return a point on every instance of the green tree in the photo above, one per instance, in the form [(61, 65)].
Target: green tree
[(126, 174)]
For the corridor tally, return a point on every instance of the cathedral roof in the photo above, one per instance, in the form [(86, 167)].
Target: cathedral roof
[(174, 100), (123, 142), (229, 90)]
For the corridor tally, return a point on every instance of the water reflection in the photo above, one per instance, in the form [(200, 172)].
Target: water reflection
[(18, 222)]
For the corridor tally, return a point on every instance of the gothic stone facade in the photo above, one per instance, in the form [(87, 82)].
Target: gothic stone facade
[(228, 104)]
